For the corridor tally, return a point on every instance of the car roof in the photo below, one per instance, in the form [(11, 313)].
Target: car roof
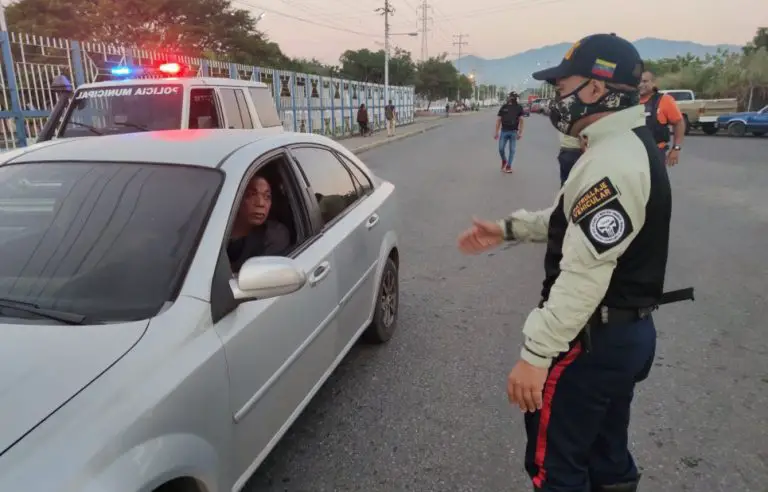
[(207, 148), (185, 81)]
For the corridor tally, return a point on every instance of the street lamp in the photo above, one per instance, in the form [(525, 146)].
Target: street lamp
[(387, 35), (261, 16)]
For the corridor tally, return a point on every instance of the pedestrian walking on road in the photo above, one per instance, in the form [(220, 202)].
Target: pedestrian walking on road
[(661, 111), (592, 337), (390, 114), (509, 129)]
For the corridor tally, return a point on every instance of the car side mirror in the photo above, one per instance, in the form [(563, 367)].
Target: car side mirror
[(264, 277)]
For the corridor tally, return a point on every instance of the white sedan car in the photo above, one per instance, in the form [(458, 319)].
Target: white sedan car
[(132, 357)]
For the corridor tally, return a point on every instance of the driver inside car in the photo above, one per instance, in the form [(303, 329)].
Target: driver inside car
[(253, 233)]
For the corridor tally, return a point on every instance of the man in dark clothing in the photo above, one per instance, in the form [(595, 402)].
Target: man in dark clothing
[(253, 234), (570, 151), (509, 129)]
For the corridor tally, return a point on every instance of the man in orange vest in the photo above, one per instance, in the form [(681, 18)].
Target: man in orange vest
[(661, 111)]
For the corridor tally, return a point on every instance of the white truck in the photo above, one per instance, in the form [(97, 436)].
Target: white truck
[(701, 113), (152, 104)]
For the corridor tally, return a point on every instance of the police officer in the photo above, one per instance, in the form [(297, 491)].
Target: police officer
[(592, 337)]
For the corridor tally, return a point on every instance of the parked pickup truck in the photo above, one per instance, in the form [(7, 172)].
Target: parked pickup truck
[(739, 124), (701, 113), (132, 105)]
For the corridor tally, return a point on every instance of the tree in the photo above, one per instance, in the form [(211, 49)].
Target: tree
[(465, 86), (210, 28), (368, 66), (743, 76), (759, 41), (437, 78)]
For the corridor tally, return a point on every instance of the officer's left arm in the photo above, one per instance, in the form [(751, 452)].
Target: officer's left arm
[(601, 225)]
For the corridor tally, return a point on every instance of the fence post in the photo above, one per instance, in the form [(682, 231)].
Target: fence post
[(332, 93), (233, 71), (308, 92), (352, 90), (341, 100), (277, 91), (78, 69), (10, 76), (204, 68), (320, 90), (293, 102)]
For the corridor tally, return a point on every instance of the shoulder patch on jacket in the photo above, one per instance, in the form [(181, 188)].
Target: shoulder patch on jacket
[(594, 198), (607, 227)]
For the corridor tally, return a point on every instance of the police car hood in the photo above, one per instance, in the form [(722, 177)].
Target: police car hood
[(42, 366)]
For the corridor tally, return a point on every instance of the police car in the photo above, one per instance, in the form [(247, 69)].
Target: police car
[(165, 101)]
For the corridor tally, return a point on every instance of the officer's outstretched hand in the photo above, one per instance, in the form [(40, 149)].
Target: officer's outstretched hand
[(482, 236)]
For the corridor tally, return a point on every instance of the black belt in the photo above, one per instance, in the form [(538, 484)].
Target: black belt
[(605, 315)]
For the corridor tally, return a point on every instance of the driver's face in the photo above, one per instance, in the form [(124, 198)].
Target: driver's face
[(257, 202)]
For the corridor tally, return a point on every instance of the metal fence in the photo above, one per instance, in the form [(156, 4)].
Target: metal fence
[(305, 103)]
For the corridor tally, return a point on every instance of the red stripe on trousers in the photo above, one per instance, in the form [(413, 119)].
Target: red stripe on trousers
[(546, 411)]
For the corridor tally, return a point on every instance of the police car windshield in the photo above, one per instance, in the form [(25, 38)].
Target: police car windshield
[(124, 109)]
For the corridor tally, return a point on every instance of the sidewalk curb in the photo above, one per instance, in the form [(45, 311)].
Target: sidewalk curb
[(403, 136)]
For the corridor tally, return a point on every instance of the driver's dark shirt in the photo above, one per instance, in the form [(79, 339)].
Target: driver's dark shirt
[(269, 239)]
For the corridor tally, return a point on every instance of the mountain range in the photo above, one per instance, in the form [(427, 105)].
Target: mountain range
[(515, 71)]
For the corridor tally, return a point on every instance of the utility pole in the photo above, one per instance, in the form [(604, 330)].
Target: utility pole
[(459, 43), (425, 18), (385, 11)]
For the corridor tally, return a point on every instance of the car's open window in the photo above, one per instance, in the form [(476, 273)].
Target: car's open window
[(286, 213)]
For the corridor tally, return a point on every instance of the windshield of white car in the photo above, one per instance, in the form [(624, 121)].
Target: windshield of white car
[(108, 241), (123, 109)]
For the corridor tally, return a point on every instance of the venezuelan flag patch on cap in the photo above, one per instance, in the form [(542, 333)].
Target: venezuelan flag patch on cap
[(603, 68)]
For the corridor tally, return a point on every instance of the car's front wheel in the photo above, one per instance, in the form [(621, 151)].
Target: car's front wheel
[(737, 129), (387, 303)]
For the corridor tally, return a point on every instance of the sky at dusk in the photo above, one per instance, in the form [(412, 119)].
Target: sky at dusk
[(496, 28)]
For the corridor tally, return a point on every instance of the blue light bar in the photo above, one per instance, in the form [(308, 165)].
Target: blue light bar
[(121, 70)]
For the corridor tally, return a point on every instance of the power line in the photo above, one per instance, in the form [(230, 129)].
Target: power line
[(301, 19), (513, 5), (459, 43)]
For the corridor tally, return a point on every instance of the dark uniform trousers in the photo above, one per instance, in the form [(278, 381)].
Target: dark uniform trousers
[(567, 158), (578, 441)]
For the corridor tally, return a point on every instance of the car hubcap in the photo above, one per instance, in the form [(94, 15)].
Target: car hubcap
[(388, 298)]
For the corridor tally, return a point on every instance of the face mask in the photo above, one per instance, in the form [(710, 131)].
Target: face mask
[(565, 111)]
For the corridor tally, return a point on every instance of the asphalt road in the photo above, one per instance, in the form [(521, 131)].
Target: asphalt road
[(428, 412)]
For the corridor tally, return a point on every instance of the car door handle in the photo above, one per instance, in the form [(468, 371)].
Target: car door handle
[(321, 271), (372, 221)]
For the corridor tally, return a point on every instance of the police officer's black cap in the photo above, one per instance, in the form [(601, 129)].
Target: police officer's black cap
[(512, 94), (601, 57)]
